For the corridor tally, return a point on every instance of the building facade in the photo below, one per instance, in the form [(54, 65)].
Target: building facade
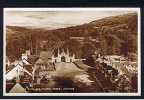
[(63, 57)]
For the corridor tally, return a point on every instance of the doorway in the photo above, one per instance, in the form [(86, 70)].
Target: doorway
[(63, 59)]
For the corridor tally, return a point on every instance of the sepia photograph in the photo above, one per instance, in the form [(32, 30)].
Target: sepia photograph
[(71, 52)]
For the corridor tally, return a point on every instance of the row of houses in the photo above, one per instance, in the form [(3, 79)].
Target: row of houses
[(119, 63), (32, 68)]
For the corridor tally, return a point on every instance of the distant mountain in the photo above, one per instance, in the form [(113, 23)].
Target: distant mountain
[(128, 19), (117, 35)]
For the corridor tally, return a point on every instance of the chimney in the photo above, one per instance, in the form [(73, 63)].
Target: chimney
[(24, 56), (28, 52)]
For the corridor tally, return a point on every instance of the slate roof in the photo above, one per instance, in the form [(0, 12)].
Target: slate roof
[(45, 54), (44, 57), (17, 89)]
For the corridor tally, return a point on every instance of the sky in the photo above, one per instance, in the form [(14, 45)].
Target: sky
[(55, 19)]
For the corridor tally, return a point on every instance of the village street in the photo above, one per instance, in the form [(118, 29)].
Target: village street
[(79, 76), (64, 69)]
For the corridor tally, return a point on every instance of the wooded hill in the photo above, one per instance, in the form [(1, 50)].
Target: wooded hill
[(117, 35)]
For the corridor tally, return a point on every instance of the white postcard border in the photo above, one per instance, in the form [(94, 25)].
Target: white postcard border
[(72, 94)]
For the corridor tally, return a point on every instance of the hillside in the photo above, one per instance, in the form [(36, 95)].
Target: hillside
[(117, 35)]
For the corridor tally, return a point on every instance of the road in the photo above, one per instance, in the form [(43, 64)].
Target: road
[(71, 70), (64, 69)]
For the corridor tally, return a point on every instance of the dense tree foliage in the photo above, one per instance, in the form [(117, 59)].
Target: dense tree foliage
[(116, 35)]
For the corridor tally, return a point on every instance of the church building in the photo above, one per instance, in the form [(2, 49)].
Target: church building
[(63, 57)]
